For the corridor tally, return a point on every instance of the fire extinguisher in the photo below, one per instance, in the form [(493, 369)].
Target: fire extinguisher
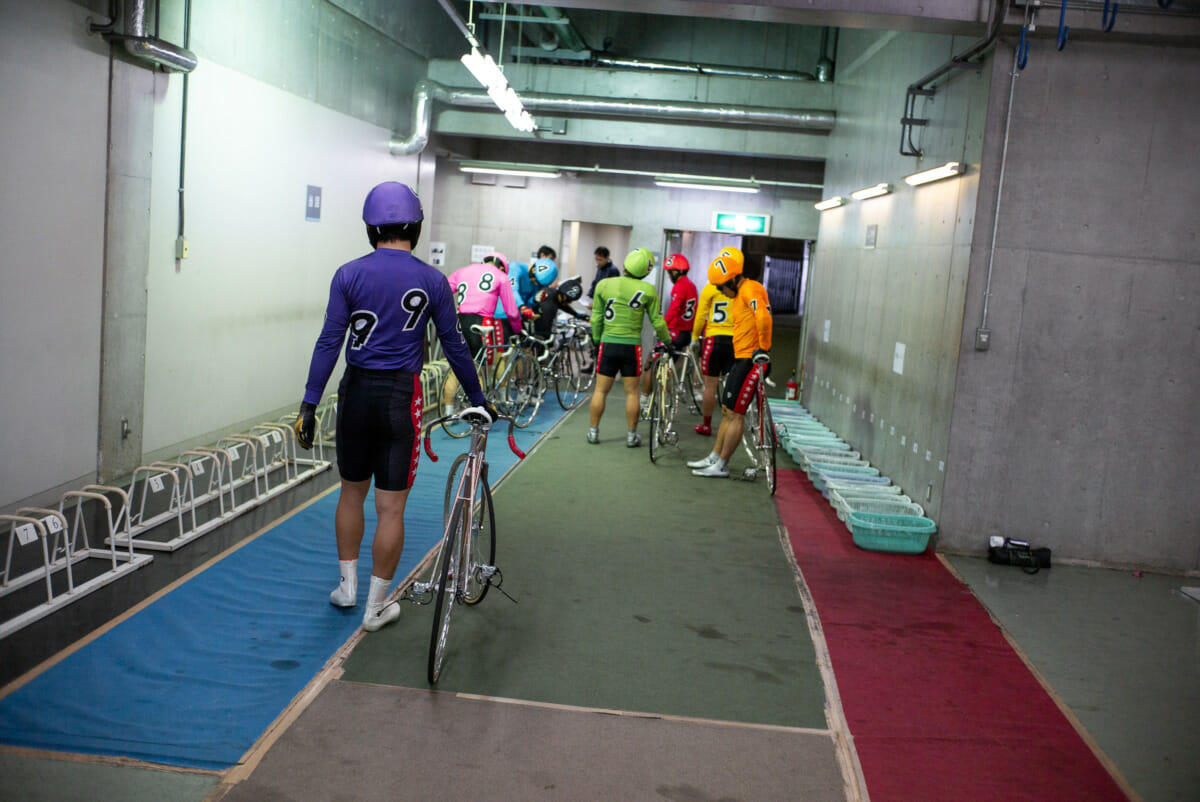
[(793, 389)]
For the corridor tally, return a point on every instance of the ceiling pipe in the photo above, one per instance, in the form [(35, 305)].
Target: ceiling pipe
[(142, 47), (426, 92), (699, 69)]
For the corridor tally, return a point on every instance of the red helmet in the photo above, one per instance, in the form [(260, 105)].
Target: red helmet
[(676, 261)]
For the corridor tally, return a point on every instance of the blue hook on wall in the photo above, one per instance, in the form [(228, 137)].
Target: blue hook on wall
[(1023, 48), (1106, 21), (1063, 30)]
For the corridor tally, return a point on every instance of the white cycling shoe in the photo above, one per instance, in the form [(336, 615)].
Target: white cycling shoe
[(703, 463), (374, 621), (714, 471)]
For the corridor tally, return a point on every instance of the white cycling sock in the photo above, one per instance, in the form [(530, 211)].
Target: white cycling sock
[(720, 463), (378, 611), (346, 593)]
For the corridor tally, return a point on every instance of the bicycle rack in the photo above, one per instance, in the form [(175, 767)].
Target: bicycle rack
[(163, 493), (68, 548)]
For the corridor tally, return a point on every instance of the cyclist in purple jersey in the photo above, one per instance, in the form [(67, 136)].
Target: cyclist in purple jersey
[(384, 299)]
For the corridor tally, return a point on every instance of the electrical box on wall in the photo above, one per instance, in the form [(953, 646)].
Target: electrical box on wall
[(983, 339)]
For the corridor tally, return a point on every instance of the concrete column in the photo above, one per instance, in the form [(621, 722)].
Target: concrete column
[(126, 256)]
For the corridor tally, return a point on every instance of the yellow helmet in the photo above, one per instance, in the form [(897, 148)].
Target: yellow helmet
[(732, 254), (639, 262)]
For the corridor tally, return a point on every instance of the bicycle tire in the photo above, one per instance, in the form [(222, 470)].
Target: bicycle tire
[(670, 395), (750, 434), (656, 423), (770, 444), (579, 381), (483, 543), (444, 595), (524, 390), (692, 383), (564, 387)]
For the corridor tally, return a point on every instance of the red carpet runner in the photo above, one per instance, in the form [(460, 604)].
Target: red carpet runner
[(939, 705)]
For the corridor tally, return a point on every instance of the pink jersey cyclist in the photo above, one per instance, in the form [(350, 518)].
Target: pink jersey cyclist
[(476, 288)]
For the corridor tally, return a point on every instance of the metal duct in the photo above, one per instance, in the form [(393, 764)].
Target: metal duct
[(425, 92), (169, 57), (699, 69)]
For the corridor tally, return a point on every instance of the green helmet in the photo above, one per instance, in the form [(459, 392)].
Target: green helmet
[(639, 262)]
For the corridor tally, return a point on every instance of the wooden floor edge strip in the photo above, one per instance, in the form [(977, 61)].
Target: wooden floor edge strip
[(105, 760), (1100, 754), (606, 711), (853, 779), (57, 658)]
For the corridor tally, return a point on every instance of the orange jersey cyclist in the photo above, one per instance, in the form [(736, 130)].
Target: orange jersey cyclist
[(751, 313), (621, 305), (715, 324)]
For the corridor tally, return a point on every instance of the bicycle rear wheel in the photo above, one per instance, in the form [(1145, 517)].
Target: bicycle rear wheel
[(482, 558), (524, 390), (565, 379), (447, 571)]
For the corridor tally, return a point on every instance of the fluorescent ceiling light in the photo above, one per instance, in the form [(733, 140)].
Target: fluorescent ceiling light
[(947, 170), (489, 74), (872, 192), (506, 168), (718, 184), (830, 203)]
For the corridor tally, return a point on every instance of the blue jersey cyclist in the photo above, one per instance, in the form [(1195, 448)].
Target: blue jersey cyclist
[(384, 299)]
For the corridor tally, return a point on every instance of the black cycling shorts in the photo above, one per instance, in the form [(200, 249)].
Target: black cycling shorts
[(717, 356), (740, 385), (475, 341), (378, 425), (622, 358)]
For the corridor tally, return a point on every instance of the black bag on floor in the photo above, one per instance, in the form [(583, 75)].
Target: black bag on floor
[(1018, 552)]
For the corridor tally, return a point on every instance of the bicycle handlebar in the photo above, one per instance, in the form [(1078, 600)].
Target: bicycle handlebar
[(475, 416)]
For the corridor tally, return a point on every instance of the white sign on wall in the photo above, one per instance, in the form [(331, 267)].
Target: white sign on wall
[(898, 359), (826, 338), (437, 254), (480, 251)]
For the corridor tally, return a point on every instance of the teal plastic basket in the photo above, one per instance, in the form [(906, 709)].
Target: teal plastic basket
[(891, 505), (846, 500), (898, 534)]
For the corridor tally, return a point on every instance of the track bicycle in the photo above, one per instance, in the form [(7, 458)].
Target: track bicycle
[(465, 565), (759, 437), (664, 401), (562, 367), (510, 377)]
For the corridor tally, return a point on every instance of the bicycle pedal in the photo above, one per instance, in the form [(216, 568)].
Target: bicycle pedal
[(750, 474), (487, 571)]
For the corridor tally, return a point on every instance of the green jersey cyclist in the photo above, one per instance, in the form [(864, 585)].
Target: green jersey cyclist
[(621, 305)]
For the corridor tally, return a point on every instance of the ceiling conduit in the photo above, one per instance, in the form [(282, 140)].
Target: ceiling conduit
[(426, 92), (143, 47)]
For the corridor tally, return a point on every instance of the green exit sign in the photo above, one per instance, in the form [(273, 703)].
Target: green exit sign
[(741, 223)]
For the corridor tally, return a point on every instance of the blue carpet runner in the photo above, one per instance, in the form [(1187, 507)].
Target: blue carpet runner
[(195, 678)]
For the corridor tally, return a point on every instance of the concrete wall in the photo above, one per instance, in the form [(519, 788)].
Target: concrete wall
[(908, 288), (517, 219), (1079, 429), (53, 130)]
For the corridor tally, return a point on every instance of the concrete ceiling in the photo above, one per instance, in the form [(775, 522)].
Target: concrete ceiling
[(566, 50)]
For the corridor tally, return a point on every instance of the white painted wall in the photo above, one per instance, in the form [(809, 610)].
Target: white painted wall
[(230, 330), (53, 130)]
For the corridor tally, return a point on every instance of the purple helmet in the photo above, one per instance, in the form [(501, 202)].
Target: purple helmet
[(391, 203)]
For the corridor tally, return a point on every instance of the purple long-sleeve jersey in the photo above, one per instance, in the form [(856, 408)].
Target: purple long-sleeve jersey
[(385, 299)]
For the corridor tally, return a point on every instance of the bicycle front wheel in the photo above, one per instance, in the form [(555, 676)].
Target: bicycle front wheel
[(524, 390), (657, 425), (691, 384), (770, 444), (447, 577), (750, 434)]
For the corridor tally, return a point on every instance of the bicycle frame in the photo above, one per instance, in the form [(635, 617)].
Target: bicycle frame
[(457, 564)]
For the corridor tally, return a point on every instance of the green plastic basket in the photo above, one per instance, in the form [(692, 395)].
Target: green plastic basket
[(899, 534), (844, 500)]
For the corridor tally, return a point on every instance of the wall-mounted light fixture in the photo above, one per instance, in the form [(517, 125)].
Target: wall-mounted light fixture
[(871, 192), (947, 170), (749, 186), (830, 203), (508, 168)]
